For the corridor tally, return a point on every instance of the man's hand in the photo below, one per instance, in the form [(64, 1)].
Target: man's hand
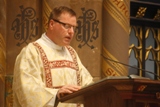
[(67, 89)]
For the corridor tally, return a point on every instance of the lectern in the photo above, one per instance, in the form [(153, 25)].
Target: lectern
[(118, 93)]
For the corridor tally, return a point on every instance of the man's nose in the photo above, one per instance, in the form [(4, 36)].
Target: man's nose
[(71, 29)]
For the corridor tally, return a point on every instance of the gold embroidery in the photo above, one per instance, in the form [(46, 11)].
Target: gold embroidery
[(57, 64), (46, 64), (75, 61)]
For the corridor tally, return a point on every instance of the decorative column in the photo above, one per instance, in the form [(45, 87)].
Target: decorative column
[(2, 68), (116, 16), (2, 50), (19, 25)]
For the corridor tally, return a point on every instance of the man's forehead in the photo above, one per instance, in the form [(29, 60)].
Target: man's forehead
[(66, 14)]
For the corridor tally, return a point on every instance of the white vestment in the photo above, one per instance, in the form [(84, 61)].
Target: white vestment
[(40, 68)]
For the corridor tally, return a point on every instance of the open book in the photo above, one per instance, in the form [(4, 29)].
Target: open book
[(132, 76)]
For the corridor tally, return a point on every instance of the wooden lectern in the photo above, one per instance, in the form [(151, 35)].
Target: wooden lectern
[(118, 93)]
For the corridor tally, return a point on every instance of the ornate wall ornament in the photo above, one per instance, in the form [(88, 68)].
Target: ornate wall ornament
[(142, 87), (158, 95), (157, 16), (87, 30), (25, 25), (141, 12)]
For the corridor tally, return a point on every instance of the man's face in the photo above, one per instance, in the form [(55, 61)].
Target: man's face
[(63, 29)]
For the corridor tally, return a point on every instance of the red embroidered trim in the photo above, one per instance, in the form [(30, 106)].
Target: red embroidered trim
[(75, 61), (73, 56), (77, 68), (48, 65), (63, 63)]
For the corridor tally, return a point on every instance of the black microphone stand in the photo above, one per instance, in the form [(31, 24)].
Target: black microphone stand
[(130, 66)]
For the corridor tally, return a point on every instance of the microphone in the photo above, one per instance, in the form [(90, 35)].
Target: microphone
[(131, 66), (153, 60)]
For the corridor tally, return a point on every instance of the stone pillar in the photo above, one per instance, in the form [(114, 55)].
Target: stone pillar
[(2, 50), (20, 23), (115, 37)]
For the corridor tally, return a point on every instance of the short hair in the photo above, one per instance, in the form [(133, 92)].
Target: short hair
[(57, 11)]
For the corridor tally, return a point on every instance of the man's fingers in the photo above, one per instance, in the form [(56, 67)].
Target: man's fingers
[(72, 87), (68, 89)]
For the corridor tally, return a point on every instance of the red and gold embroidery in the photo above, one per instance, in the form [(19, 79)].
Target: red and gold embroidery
[(64, 63), (75, 61), (48, 65)]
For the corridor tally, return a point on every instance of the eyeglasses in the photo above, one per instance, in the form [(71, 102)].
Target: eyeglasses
[(65, 25)]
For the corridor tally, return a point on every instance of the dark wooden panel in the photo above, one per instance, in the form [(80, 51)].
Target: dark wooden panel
[(148, 18)]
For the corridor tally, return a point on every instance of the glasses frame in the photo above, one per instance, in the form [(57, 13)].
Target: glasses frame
[(65, 25)]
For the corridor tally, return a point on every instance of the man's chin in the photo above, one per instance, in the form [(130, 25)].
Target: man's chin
[(67, 43)]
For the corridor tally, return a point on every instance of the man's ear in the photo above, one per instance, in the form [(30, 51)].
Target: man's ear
[(51, 23)]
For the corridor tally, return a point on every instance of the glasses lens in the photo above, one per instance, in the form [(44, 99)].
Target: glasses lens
[(68, 26), (65, 25)]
